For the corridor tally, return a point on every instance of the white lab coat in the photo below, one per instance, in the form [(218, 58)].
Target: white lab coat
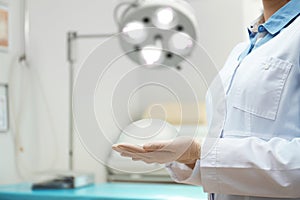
[(258, 156)]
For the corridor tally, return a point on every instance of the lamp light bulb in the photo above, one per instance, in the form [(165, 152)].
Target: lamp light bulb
[(181, 43), (151, 55), (135, 32), (164, 18)]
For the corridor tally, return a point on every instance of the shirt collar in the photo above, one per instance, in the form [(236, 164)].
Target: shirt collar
[(283, 17), (280, 19)]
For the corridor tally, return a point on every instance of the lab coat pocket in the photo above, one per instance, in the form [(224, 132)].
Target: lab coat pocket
[(259, 92)]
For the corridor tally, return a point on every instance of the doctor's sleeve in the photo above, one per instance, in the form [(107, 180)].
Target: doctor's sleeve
[(183, 174), (252, 167)]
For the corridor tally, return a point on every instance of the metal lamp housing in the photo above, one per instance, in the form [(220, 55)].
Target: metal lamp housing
[(145, 12)]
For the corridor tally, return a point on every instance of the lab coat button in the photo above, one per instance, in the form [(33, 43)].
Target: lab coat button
[(261, 28)]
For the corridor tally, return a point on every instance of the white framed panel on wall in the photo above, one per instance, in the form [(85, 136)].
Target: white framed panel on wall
[(4, 116)]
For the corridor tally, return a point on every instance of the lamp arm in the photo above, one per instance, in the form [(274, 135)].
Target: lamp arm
[(72, 36)]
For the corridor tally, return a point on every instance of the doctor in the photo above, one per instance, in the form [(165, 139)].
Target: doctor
[(258, 153)]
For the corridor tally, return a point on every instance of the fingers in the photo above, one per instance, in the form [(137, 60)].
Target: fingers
[(128, 147), (155, 146), (115, 147), (127, 154), (148, 161), (149, 147), (149, 153), (137, 157)]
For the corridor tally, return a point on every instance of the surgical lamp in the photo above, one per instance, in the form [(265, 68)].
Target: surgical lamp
[(142, 23)]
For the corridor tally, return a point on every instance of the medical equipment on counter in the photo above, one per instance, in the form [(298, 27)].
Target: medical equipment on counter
[(64, 180)]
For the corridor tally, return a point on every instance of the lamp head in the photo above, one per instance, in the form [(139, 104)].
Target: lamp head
[(158, 32)]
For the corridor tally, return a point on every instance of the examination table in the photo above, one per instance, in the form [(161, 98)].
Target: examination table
[(107, 191)]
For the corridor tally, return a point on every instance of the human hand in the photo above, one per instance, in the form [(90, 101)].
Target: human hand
[(181, 149)]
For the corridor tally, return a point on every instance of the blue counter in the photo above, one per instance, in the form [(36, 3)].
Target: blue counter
[(107, 191)]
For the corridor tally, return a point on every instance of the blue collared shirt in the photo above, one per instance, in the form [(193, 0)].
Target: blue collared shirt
[(260, 34)]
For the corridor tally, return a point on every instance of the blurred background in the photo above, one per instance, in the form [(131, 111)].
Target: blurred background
[(37, 139)]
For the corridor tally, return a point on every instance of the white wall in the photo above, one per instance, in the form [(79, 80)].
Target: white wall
[(18, 149), (46, 133), (252, 9), (22, 149), (8, 172), (50, 22)]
